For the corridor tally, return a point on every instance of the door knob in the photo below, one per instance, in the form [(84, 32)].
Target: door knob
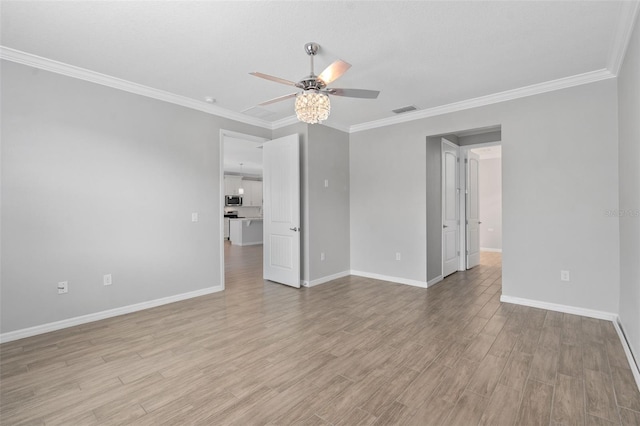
[(444, 226), (295, 229)]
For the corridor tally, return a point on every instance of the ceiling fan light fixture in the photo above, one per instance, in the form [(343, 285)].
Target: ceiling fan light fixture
[(312, 107)]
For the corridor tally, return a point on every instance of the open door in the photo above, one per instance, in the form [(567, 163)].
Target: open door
[(450, 209), (281, 181), (473, 210)]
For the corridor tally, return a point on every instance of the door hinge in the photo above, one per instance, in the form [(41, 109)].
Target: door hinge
[(458, 159), (458, 253), (467, 252), (467, 222), (466, 161)]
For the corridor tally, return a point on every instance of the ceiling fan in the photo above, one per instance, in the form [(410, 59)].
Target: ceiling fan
[(312, 104)]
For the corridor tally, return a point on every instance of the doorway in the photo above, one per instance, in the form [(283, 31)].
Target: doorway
[(241, 203), (464, 200)]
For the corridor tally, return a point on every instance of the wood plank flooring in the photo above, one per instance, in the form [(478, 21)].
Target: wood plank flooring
[(355, 351)]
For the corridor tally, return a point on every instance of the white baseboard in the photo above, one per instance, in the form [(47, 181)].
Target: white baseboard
[(83, 319), (398, 280), (436, 280), (591, 313), (627, 350), (493, 250), (326, 279)]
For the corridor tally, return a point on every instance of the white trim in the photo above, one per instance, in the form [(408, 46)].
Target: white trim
[(492, 250), (591, 313), (623, 32), (97, 316), (434, 281), (326, 279), (288, 121), (508, 95), (627, 350), (397, 280), (35, 61), (284, 122)]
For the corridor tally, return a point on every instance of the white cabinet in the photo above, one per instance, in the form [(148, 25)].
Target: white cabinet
[(252, 193), (252, 196), (232, 185)]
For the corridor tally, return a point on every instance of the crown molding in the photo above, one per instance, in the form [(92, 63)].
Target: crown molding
[(39, 62), (287, 121), (622, 36), (284, 122), (338, 126), (534, 89), (622, 39)]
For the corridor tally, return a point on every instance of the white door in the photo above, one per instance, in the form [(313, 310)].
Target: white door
[(473, 210), (450, 206), (281, 185)]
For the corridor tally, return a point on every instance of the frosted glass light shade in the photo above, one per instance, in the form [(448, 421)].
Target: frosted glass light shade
[(312, 107)]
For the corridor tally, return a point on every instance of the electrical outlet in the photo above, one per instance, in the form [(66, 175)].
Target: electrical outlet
[(322, 256), (194, 217), (398, 256), (106, 279), (565, 276), (326, 183), (63, 287)]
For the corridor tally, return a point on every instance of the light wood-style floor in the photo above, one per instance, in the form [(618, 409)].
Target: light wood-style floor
[(350, 352)]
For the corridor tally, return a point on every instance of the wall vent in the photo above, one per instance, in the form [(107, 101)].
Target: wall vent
[(405, 109)]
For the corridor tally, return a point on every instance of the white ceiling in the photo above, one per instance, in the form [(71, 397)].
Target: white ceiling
[(488, 152), (426, 54)]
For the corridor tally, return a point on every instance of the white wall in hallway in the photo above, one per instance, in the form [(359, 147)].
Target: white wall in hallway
[(490, 189)]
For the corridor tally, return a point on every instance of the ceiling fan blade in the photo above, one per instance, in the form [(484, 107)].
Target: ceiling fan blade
[(334, 71), (278, 99), (354, 93), (272, 78)]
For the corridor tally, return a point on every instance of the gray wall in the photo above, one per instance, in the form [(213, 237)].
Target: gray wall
[(328, 158), (96, 181), (629, 128), (560, 157), (490, 188), (434, 206), (324, 154)]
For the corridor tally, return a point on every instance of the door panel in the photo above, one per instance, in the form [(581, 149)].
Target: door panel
[(281, 186), (473, 210), (450, 206)]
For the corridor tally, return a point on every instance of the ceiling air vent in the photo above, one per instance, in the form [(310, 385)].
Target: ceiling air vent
[(405, 109)]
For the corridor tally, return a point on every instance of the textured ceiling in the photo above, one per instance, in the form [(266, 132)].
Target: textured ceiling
[(425, 54)]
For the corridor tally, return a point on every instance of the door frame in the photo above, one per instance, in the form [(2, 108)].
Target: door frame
[(464, 156), (237, 135)]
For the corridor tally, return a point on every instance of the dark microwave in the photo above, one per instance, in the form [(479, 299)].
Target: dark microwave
[(232, 200)]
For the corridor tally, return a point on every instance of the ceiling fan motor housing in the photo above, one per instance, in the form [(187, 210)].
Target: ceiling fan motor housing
[(311, 83)]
